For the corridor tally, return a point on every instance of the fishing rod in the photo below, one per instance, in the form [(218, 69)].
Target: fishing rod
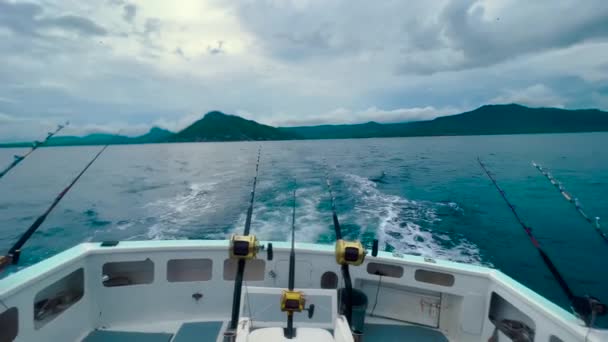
[(242, 248), (347, 253), (15, 251), (292, 254), (595, 223), (292, 269), (18, 159), (585, 307), (291, 300)]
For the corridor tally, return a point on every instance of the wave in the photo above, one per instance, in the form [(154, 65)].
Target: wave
[(174, 213), (272, 218), (402, 225), (406, 225)]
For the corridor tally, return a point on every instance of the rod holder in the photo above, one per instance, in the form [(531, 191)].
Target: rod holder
[(269, 252), (311, 311), (375, 248), (15, 256), (229, 336)]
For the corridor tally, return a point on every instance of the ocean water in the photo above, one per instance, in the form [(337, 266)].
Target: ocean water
[(434, 201)]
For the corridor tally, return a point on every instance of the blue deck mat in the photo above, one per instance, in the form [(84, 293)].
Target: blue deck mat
[(399, 333), (198, 331), (124, 336)]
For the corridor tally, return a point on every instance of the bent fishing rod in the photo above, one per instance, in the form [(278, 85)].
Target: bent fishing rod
[(595, 223), (18, 159), (15, 251), (242, 248), (585, 307)]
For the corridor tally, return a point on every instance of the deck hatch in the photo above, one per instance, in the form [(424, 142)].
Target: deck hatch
[(9, 324), (432, 277), (54, 299), (385, 270), (182, 270), (127, 273)]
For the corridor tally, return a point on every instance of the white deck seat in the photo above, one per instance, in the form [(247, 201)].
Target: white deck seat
[(278, 335)]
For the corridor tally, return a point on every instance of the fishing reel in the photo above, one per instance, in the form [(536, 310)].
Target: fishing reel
[(295, 301), (588, 308), (4, 261), (350, 252), (246, 247)]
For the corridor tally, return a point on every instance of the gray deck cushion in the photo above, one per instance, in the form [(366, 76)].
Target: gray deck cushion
[(124, 336), (401, 333), (198, 331)]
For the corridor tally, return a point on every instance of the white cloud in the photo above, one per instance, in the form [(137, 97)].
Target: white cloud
[(14, 128), (176, 125), (348, 116), (601, 100), (293, 61), (537, 95)]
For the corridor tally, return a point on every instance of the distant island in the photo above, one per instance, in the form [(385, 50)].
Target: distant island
[(485, 120)]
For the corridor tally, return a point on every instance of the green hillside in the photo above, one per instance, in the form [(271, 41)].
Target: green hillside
[(217, 126)]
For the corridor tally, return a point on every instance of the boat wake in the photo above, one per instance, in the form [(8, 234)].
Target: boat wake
[(365, 212), (406, 226), (272, 216), (173, 215)]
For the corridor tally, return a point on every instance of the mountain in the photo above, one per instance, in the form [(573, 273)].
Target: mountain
[(217, 126), (91, 139), (155, 135), (489, 119)]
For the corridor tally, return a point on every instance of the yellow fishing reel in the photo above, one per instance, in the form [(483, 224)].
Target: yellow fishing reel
[(292, 301), (350, 252), (243, 247)]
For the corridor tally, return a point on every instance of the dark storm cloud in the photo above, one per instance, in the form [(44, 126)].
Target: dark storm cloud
[(216, 50), (77, 24), (485, 40), (29, 19), (424, 37), (293, 61), (129, 12), (152, 26)]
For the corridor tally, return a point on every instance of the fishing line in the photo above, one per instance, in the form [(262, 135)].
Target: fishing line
[(15, 251), (2, 302), (348, 286), (586, 307), (377, 293), (248, 303), (571, 199), (238, 283), (36, 144)]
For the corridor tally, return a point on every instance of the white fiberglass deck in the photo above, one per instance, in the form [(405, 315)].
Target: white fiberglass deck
[(181, 291)]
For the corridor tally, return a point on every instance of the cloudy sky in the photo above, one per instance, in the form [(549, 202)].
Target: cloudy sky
[(106, 65)]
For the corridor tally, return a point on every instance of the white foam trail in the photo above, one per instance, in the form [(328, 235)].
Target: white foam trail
[(271, 220), (395, 221), (177, 212)]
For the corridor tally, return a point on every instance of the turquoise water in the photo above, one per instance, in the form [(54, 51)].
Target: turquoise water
[(435, 200)]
